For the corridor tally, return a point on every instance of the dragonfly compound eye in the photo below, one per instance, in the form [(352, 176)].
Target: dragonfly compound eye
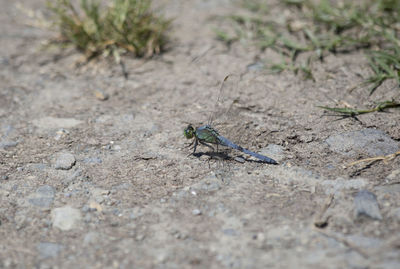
[(189, 132)]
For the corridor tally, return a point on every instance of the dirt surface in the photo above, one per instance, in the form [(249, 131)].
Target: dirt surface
[(93, 183)]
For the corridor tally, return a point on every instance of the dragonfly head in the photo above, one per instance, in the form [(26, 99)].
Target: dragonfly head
[(189, 131)]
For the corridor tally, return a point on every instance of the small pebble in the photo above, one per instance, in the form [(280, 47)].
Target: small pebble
[(196, 212), (230, 232), (365, 203), (94, 206), (43, 197), (274, 151), (92, 160), (8, 144), (101, 95), (257, 66), (48, 250), (239, 159), (60, 134), (91, 238), (66, 218), (46, 190), (64, 161)]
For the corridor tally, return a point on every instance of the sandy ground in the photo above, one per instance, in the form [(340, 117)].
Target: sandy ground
[(94, 183)]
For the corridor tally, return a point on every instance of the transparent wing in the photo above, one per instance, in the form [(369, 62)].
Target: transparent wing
[(226, 116), (228, 94)]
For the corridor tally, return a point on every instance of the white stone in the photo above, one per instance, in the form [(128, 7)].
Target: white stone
[(66, 218)]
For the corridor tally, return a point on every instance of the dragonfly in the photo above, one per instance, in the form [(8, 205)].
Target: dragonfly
[(207, 135)]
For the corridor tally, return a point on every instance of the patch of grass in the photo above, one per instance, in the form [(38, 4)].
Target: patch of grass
[(126, 26), (318, 28), (304, 68), (385, 63)]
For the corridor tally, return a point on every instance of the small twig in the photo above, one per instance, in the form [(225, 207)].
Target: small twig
[(321, 221), (378, 158)]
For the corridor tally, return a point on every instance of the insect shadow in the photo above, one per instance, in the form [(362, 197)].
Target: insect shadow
[(225, 156)]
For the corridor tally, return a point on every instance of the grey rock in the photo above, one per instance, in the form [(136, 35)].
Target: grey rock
[(196, 212), (46, 190), (91, 238), (210, 183), (36, 166), (257, 66), (365, 203), (66, 218), (8, 144), (239, 159), (43, 197), (229, 261), (136, 213), (181, 194), (44, 202), (116, 148), (211, 186), (230, 232), (7, 130), (48, 123), (48, 250), (4, 61), (140, 237), (72, 177), (92, 160), (367, 141), (122, 186), (100, 195), (64, 161), (87, 218), (21, 220), (128, 117), (330, 166), (273, 151)]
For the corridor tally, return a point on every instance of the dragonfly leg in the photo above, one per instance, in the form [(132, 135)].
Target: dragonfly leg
[(195, 145), (207, 145), (190, 144)]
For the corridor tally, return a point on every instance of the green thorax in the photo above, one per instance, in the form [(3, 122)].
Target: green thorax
[(207, 134)]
